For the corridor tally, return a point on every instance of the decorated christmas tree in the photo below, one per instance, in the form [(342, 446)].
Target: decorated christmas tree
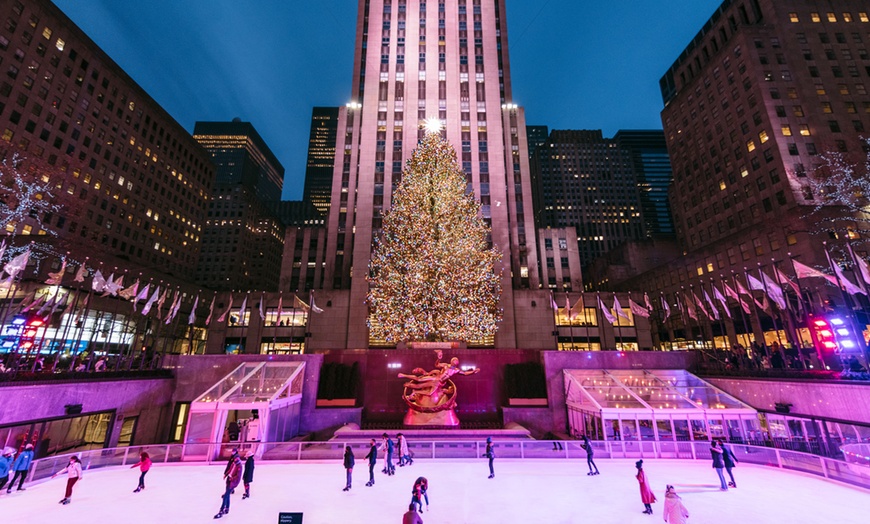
[(432, 274)]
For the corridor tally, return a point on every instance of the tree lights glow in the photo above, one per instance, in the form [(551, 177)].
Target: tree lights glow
[(432, 274)]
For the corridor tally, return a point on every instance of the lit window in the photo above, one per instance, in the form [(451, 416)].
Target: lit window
[(793, 17), (832, 17), (744, 172), (820, 90), (805, 130), (59, 44), (709, 267), (863, 17), (46, 33), (722, 185), (847, 17), (826, 107), (763, 137), (750, 145), (786, 130), (701, 271), (815, 17)]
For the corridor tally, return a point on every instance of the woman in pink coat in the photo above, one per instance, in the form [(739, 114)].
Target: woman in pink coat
[(674, 512), (646, 494)]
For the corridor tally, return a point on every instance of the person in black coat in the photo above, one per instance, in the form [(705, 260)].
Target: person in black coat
[(590, 451), (348, 466), (730, 463), (373, 460), (248, 475), (490, 454), (718, 463)]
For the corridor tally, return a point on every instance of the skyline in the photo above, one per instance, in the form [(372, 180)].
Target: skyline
[(220, 68)]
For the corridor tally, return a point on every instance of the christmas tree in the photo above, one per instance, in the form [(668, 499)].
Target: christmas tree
[(432, 274)]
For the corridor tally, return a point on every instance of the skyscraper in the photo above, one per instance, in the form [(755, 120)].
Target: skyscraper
[(243, 238), (417, 60), (652, 169), (321, 157)]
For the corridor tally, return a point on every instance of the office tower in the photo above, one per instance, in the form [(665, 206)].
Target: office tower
[(131, 182), (321, 158), (243, 238), (416, 60), (537, 135), (588, 183), (652, 169)]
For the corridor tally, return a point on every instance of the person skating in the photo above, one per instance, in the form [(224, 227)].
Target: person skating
[(490, 454), (232, 477), (411, 516), (674, 512), (404, 452), (6, 461), (144, 466), (73, 472), (388, 446), (718, 463), (646, 495), (234, 454), (373, 460), (420, 492), (730, 463), (590, 452), (348, 466), (248, 475), (20, 467)]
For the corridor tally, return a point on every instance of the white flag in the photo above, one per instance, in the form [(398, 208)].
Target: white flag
[(637, 309), (81, 273), (210, 311), (17, 264), (804, 271), (99, 281), (774, 291), (151, 301), (605, 311), (223, 317), (577, 308), (142, 295), (54, 279), (314, 306), (721, 298), (242, 309), (192, 318), (280, 305), (617, 308), (710, 303), (262, 313), (845, 283), (667, 309)]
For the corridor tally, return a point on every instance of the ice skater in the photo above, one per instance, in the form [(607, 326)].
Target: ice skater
[(490, 454), (420, 492), (646, 495), (144, 466), (348, 467), (388, 446), (590, 452), (373, 460), (718, 463), (404, 453), (411, 516), (675, 512), (73, 472), (232, 477), (730, 463), (5, 466), (20, 467), (248, 475)]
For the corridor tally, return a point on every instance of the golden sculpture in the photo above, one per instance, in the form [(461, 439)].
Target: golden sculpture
[(431, 396)]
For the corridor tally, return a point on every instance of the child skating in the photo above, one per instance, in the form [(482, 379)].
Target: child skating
[(373, 459), (675, 512), (73, 472), (490, 454), (144, 466), (248, 475), (646, 494), (420, 492)]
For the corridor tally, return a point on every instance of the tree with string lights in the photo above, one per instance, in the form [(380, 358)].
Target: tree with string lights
[(432, 275)]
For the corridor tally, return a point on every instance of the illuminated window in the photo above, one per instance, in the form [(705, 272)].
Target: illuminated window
[(763, 137), (750, 145), (59, 44), (847, 17), (793, 17), (700, 271), (744, 172), (815, 17), (832, 17), (798, 111), (820, 90), (722, 185), (826, 107), (805, 130), (46, 33), (863, 17), (786, 130)]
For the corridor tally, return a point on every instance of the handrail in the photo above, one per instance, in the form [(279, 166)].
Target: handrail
[(837, 470)]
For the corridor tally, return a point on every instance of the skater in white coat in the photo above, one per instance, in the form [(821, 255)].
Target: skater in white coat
[(675, 512)]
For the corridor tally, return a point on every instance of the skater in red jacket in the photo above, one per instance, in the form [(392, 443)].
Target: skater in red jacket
[(232, 477), (646, 494), (144, 465)]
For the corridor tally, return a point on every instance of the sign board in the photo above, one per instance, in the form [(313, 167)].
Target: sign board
[(289, 518)]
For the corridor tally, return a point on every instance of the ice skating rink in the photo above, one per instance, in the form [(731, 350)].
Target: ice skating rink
[(533, 491)]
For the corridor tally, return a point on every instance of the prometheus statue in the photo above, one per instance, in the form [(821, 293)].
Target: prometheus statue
[(431, 396)]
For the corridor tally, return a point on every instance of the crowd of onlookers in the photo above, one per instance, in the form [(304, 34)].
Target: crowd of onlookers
[(53, 364), (777, 356)]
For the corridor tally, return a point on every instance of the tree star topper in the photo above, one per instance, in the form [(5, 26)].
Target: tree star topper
[(432, 125)]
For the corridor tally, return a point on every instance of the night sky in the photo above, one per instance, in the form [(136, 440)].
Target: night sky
[(576, 64)]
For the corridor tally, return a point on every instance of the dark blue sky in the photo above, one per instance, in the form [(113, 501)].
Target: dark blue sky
[(576, 64)]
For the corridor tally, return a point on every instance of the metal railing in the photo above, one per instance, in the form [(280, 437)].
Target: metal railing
[(856, 474), (856, 453)]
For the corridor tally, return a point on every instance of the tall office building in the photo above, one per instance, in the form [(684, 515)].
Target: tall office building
[(416, 60), (243, 238), (652, 168), (321, 158), (537, 135), (588, 183), (131, 183)]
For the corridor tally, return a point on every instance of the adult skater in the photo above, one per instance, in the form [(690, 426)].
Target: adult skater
[(646, 494), (590, 452), (718, 463), (248, 475), (73, 472), (373, 459), (411, 516), (388, 446), (675, 512), (20, 467), (420, 492), (5, 466), (490, 454), (348, 466), (144, 466), (232, 477), (404, 452), (730, 463)]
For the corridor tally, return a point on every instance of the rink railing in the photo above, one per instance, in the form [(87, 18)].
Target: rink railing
[(838, 470)]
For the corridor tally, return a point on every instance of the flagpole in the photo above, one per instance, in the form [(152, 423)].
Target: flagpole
[(722, 328), (308, 320), (84, 321), (663, 323), (789, 313), (808, 309), (757, 311), (71, 317), (599, 318), (845, 295), (586, 324), (746, 330), (192, 326), (141, 322)]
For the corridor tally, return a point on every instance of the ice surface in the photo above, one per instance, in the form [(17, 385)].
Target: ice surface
[(528, 491)]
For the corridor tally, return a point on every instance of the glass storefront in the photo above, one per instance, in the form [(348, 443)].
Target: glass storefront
[(60, 435)]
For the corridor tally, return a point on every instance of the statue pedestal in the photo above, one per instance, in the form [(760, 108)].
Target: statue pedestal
[(446, 418)]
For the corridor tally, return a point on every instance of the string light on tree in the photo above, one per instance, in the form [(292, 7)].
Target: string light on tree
[(432, 274)]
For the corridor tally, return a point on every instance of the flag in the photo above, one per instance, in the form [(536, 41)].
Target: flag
[(84, 309), (262, 313), (130, 292), (845, 283), (298, 304), (17, 264), (712, 305), (173, 307), (667, 308), (54, 279), (754, 283), (637, 309), (243, 309), (721, 298), (223, 316), (280, 305), (81, 273), (210, 311), (863, 269), (785, 280), (647, 302), (577, 308), (701, 305), (113, 285), (58, 304), (774, 291), (690, 308), (32, 302), (765, 305), (99, 282), (48, 304), (192, 318), (151, 301), (617, 308), (314, 306), (142, 295), (741, 289), (161, 301), (606, 312), (552, 302), (804, 271)]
